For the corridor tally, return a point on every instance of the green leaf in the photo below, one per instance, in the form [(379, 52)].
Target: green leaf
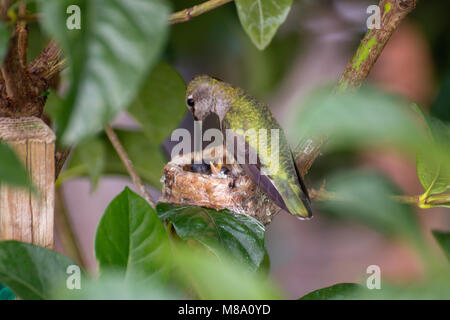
[(264, 267), (131, 238), (367, 197), (109, 56), (11, 169), (237, 235), (30, 271), (147, 158), (160, 105), (4, 41), (262, 18), (221, 279), (340, 291), (6, 293), (366, 118), (433, 162), (92, 153), (433, 175), (443, 238)]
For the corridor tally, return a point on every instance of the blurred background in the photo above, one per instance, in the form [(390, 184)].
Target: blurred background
[(310, 50)]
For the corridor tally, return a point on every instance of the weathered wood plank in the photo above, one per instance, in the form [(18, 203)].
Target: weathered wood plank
[(25, 216)]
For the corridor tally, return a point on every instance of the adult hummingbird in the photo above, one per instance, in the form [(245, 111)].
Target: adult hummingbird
[(239, 112)]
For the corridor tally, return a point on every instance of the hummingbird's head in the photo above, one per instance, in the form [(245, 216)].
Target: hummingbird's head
[(204, 95)]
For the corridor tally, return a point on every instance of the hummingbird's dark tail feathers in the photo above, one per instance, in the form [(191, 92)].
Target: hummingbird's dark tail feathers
[(265, 184), (304, 195)]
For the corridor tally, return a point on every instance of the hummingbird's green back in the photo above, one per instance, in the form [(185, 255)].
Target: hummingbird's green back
[(248, 115)]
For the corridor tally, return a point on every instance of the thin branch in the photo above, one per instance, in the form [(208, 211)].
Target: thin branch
[(357, 70), (65, 230), (19, 88), (129, 165), (4, 6), (31, 17), (373, 43), (46, 67), (60, 160), (189, 13), (22, 31), (429, 202)]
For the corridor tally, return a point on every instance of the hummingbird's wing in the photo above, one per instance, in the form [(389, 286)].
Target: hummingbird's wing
[(265, 184), (270, 185)]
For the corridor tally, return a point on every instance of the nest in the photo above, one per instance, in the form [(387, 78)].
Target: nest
[(215, 183)]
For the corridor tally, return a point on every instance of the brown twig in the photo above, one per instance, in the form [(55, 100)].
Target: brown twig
[(46, 67), (357, 70), (60, 160), (65, 230), (189, 13), (22, 31), (18, 93), (373, 43), (21, 88), (4, 6), (129, 165)]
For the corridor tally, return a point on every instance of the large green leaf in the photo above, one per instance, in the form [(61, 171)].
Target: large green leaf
[(30, 271), (160, 105), (147, 157), (367, 198), (237, 235), (222, 279), (130, 238), (443, 238), (4, 41), (262, 18), (340, 291), (11, 169), (109, 57)]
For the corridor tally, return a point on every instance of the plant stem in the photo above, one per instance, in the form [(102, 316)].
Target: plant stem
[(428, 202), (128, 165), (373, 43), (65, 230), (189, 13), (22, 32), (357, 70)]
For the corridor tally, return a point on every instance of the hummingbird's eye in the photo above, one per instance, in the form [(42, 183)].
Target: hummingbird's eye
[(190, 102)]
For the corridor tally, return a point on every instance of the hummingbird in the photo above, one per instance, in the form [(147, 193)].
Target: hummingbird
[(239, 112)]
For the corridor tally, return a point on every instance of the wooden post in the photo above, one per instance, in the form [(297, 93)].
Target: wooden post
[(25, 216)]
